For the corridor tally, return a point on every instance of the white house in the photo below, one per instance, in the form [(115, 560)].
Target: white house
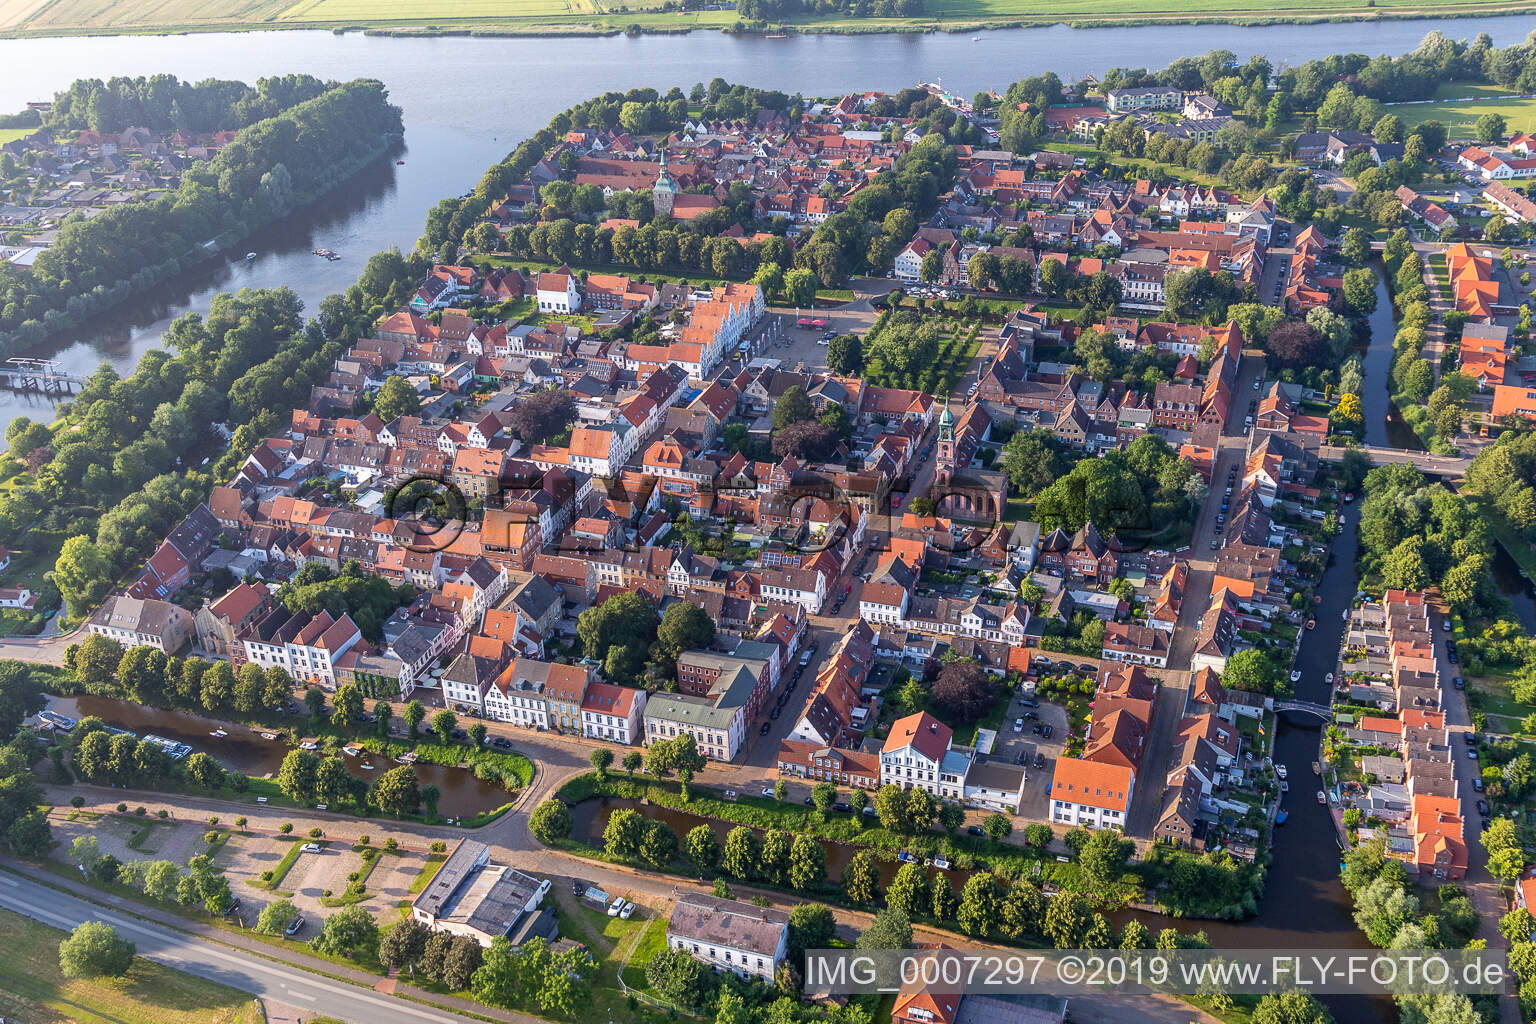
[(614, 713), (918, 755), (557, 293), (718, 731), (1090, 793), (909, 262), (729, 935)]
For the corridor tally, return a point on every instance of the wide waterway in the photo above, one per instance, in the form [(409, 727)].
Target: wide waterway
[(468, 101)]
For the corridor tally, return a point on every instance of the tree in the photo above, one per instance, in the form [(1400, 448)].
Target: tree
[(1360, 290), (83, 575), (811, 926), (908, 891), (622, 834), (600, 759), (794, 406), (997, 825), (658, 845), (1053, 277), (1356, 247), (1032, 459), (808, 440), (275, 917), (800, 288), (20, 697), (943, 898), (1250, 670), (980, 905), (350, 932), (396, 792), (951, 817), (346, 706), (443, 723), (404, 944), (1039, 835), (550, 822), (891, 929), (1020, 911), (684, 626), (824, 795), (632, 762), (463, 959), (845, 355), (207, 773), (1104, 858), (1066, 919), (543, 415), (1295, 344), (1290, 1008), (807, 863), (94, 950), (680, 977), (861, 879), (964, 691), (415, 711), (1490, 128), (314, 700), (96, 659), (702, 849), (738, 857), (932, 266), (395, 399), (296, 776)]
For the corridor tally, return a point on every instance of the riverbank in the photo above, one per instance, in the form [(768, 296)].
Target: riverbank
[(474, 18)]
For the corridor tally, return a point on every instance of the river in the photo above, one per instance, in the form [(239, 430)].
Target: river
[(469, 101)]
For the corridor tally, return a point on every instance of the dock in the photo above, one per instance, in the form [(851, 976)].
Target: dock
[(39, 376)]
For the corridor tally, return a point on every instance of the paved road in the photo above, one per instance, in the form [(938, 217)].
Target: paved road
[(208, 959)]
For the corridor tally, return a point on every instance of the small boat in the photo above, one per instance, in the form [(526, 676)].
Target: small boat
[(1311, 623), (351, 750), (1322, 798), (1280, 817), (1296, 676), (1328, 678), (1285, 787), (942, 863), (975, 39), (399, 163), (1317, 768), (220, 733), (906, 858), (365, 766), (407, 758), (249, 256), (269, 735)]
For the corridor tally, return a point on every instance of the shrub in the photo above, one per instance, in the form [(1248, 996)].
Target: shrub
[(141, 811), (315, 833), (266, 876), (211, 836), (285, 827), (326, 893), (122, 808), (77, 801), (214, 820), (362, 840), (162, 815), (439, 846), (391, 843), (240, 822)]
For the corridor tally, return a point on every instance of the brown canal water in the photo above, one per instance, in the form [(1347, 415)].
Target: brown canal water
[(243, 750)]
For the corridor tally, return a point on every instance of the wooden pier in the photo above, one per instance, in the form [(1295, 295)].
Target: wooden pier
[(39, 376)]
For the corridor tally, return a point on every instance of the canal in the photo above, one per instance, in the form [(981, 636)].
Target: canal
[(243, 750), (450, 139)]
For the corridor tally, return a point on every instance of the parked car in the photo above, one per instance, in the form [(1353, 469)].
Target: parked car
[(764, 730), (1459, 683), (1046, 732), (502, 742), (767, 791), (845, 808), (294, 926), (1039, 761), (629, 908), (1477, 785), (1482, 807), (975, 830), (310, 848), (1018, 725)]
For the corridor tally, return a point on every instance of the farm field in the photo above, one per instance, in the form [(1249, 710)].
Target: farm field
[(32, 988), (22, 17)]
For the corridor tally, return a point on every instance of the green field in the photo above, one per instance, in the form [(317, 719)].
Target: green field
[(33, 990), (24, 17), (1459, 105)]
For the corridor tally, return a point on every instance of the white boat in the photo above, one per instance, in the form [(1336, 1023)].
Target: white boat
[(1322, 797), (1296, 676), (219, 733), (942, 863), (249, 256), (1282, 771), (1285, 787), (269, 735), (366, 766), (1328, 678)]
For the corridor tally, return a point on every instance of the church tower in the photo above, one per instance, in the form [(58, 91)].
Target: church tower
[(944, 465), (664, 192)]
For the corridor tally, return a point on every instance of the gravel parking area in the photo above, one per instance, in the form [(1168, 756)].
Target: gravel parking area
[(315, 873)]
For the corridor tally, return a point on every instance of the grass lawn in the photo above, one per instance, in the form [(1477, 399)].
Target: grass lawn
[(1490, 695), (281, 869), (424, 876), (1460, 111), (11, 134), (32, 988)]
